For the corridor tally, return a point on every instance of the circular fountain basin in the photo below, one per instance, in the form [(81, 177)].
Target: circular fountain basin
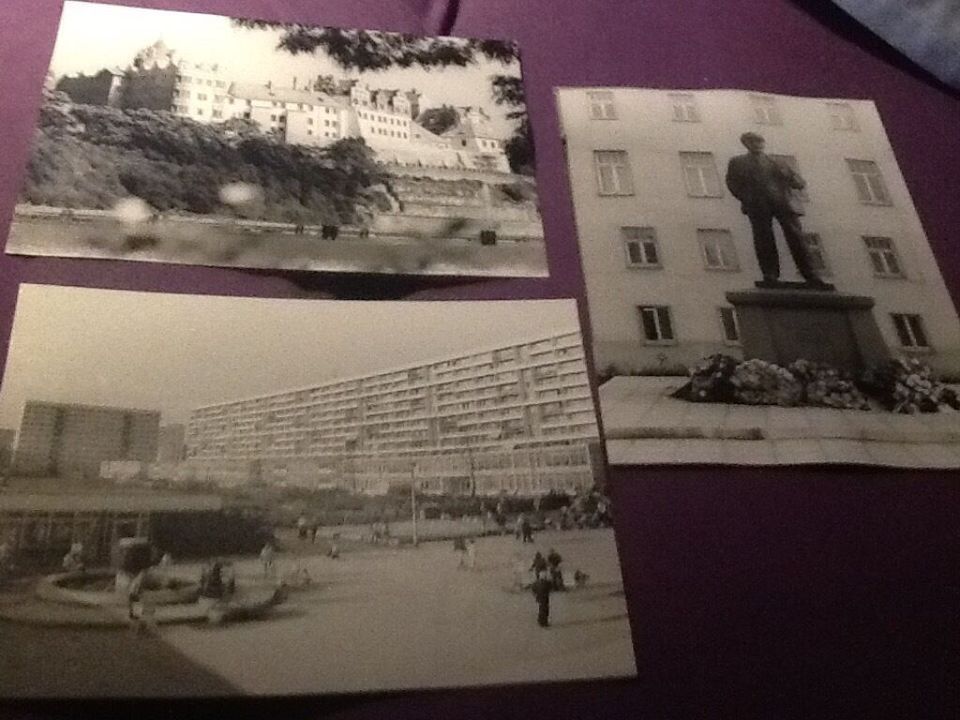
[(97, 588)]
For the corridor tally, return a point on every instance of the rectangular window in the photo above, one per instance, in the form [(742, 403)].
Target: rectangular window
[(640, 244), (842, 116), (685, 107), (601, 105), (765, 110), (816, 253), (613, 172), (883, 257), (910, 330), (201, 96), (655, 323), (729, 325), (871, 188), (700, 174), (791, 162), (718, 250), (217, 114)]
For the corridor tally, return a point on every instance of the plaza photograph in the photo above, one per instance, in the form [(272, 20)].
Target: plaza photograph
[(759, 285), (207, 140), (213, 496)]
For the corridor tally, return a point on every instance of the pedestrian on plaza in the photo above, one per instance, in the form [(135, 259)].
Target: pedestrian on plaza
[(539, 565), (302, 527), (471, 554), (527, 530), (554, 560), (541, 591), (518, 529), (266, 559), (460, 547)]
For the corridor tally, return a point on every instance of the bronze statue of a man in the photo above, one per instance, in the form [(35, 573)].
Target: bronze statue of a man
[(766, 189)]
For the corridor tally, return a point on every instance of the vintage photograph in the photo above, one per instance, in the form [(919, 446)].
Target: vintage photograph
[(206, 495), (760, 287), (187, 138)]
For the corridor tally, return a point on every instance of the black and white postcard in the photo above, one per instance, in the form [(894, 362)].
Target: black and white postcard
[(201, 139), (206, 495), (760, 287)]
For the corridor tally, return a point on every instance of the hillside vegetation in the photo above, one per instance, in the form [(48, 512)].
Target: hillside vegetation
[(90, 156)]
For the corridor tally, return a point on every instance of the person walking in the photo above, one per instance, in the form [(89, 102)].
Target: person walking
[(527, 530), (554, 561), (471, 554), (460, 547), (541, 591), (539, 565), (267, 559)]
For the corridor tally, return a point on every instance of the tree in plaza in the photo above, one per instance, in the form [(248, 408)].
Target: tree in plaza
[(370, 50)]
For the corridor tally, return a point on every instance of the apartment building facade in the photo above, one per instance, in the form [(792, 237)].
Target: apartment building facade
[(662, 239), (70, 441), (517, 419)]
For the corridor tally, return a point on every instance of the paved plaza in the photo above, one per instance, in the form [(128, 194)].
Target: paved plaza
[(644, 425), (377, 618)]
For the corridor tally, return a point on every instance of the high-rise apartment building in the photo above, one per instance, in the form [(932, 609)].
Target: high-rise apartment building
[(71, 441), (516, 419)]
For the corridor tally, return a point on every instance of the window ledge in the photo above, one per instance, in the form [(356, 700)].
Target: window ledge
[(659, 343), (645, 267)]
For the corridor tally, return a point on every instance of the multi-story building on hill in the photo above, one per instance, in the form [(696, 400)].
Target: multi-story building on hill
[(517, 419)]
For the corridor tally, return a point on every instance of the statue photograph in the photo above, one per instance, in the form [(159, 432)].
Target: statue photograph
[(713, 347), (767, 190)]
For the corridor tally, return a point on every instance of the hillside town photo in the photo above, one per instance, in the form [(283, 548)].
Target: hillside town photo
[(395, 503), (201, 139), (760, 287)]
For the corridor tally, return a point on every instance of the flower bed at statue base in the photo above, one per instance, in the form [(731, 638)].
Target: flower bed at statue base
[(900, 386)]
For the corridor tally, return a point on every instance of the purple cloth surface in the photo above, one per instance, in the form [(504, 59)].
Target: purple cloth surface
[(814, 592)]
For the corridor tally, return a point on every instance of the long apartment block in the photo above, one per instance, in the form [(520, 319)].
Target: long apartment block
[(518, 418)]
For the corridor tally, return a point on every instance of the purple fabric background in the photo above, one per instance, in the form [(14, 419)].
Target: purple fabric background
[(815, 592)]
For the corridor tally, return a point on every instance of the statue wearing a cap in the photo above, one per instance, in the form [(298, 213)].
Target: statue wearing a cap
[(767, 189)]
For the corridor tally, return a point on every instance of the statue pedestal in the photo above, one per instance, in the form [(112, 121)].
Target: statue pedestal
[(783, 325)]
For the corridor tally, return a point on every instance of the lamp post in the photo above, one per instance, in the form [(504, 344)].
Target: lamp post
[(413, 503)]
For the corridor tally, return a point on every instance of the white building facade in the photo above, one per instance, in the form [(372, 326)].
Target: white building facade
[(517, 419), (384, 118), (662, 240)]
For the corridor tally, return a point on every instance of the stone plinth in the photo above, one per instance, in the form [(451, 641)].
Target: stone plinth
[(782, 325)]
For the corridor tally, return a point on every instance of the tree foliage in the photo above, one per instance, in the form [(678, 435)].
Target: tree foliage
[(440, 119), (88, 156), (367, 50), (372, 50)]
